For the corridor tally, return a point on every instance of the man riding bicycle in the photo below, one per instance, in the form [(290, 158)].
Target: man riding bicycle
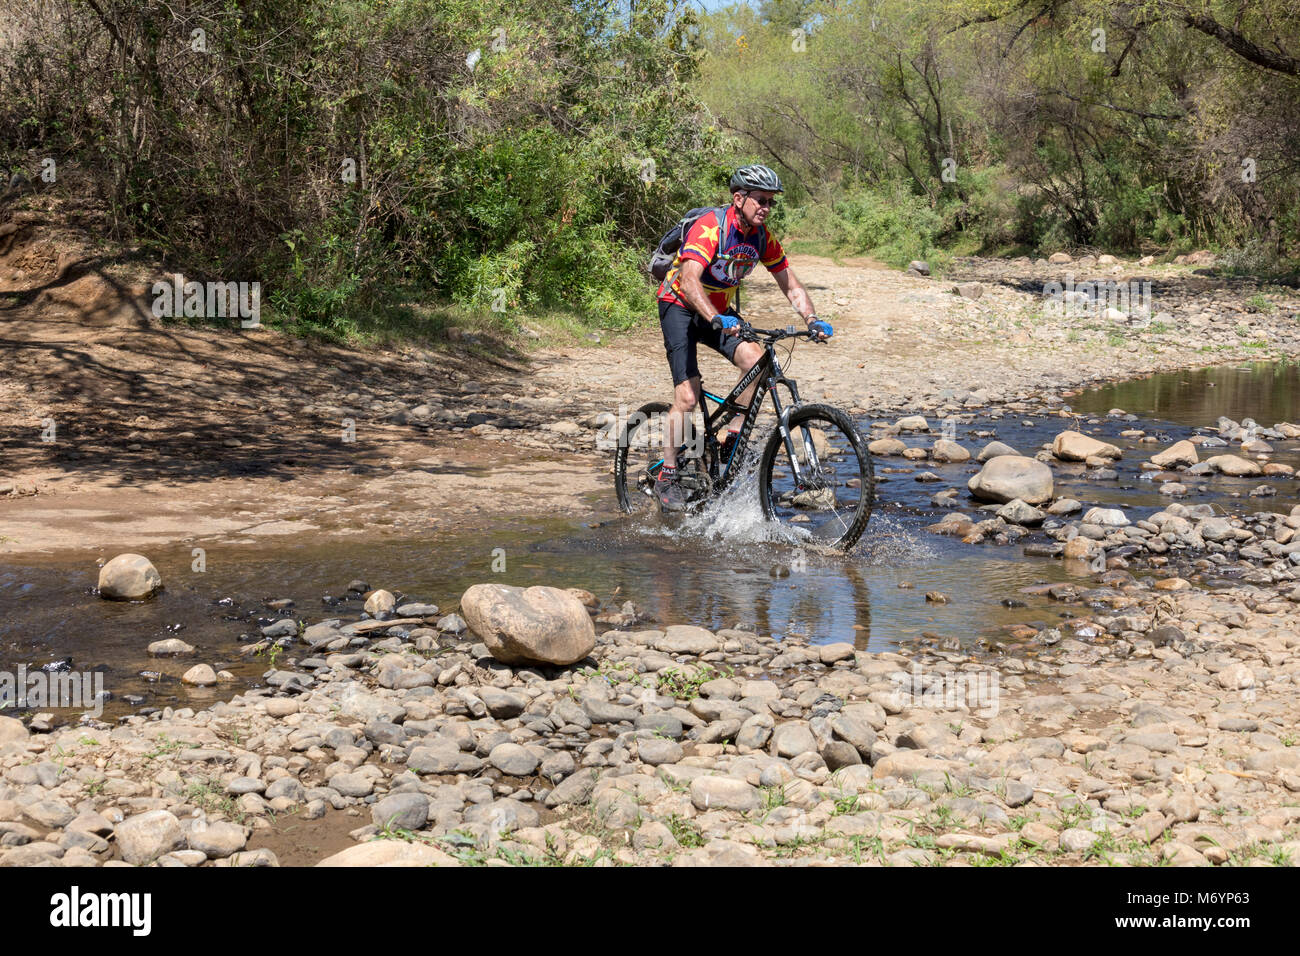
[(699, 289)]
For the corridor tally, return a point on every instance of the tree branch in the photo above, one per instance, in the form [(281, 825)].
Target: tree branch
[(1244, 48)]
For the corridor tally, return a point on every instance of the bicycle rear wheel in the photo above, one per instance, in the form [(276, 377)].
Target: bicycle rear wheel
[(828, 498), (640, 455)]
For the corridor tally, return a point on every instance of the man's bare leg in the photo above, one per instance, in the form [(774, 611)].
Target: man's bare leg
[(685, 397)]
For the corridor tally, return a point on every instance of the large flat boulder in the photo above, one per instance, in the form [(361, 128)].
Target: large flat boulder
[(537, 625), (1074, 446), (1007, 477), (1179, 453)]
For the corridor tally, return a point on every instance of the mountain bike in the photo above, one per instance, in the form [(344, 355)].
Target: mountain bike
[(815, 477)]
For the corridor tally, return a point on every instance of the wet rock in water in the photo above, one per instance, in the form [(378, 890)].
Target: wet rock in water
[(418, 610), (945, 450), (529, 625), (1073, 446), (912, 423), (451, 624), (200, 675), (380, 602), (1018, 512), (1064, 506), (1215, 529), (685, 639), (1048, 549), (1008, 477), (1233, 465), (818, 499), (995, 448), (1081, 547), (1106, 517), (286, 627), (171, 647), (885, 447), (129, 577), (1181, 453)]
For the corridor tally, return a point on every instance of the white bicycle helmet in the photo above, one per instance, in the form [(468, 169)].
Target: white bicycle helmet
[(756, 178)]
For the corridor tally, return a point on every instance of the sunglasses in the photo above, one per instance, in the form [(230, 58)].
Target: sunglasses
[(769, 201)]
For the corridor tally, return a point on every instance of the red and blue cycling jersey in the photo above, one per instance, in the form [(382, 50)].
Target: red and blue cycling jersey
[(727, 259)]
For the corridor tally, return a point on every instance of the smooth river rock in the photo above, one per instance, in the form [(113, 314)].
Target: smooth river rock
[(537, 625), (1007, 477), (129, 577), (1074, 446)]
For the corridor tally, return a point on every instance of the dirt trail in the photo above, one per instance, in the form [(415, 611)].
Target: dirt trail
[(165, 433)]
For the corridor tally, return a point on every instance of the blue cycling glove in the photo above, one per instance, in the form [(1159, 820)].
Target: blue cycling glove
[(822, 327), (726, 321)]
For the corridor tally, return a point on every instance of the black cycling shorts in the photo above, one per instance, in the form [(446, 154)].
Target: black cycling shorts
[(683, 329)]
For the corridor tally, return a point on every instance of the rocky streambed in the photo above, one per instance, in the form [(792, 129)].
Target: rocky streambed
[(1147, 716), (1156, 723)]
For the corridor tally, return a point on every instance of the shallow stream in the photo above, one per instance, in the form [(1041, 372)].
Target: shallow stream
[(716, 569)]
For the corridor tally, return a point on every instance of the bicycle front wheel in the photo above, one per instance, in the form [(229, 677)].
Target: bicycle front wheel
[(820, 486)]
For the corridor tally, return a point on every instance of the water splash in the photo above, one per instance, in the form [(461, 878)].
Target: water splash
[(887, 542), (734, 517)]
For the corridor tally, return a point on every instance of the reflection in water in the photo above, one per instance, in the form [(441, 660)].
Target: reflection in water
[(1268, 392), (672, 576)]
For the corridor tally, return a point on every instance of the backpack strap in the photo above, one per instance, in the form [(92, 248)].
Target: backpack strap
[(721, 215)]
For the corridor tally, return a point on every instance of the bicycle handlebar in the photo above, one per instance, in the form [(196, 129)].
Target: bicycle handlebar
[(751, 334)]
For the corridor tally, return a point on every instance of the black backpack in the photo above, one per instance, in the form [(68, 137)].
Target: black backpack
[(666, 251)]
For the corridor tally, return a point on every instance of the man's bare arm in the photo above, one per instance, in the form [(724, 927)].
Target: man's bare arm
[(693, 290), (796, 293)]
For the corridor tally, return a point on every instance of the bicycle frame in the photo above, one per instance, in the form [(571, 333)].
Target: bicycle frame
[(766, 375)]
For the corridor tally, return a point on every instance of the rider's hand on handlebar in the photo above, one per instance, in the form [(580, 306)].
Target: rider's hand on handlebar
[(729, 324), (821, 330)]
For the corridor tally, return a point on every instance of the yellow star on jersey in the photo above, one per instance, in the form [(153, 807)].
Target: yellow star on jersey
[(710, 233)]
